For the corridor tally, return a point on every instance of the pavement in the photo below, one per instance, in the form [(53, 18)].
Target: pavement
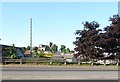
[(50, 72)]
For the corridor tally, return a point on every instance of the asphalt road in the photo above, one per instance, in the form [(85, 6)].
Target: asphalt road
[(58, 72), (40, 75)]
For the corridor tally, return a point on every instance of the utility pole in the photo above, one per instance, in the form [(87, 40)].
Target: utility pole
[(119, 8), (31, 36)]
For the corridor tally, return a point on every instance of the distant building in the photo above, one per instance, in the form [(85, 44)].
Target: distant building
[(44, 47), (3, 50)]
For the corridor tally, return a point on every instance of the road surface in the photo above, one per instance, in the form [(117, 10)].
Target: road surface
[(58, 72)]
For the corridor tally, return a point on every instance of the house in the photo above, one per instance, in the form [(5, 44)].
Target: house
[(69, 57), (44, 47), (3, 52)]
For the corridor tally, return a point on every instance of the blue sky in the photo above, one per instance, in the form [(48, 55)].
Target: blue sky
[(52, 21)]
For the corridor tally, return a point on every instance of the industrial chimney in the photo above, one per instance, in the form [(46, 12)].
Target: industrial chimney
[(31, 36)]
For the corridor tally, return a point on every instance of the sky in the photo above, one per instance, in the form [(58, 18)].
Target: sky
[(54, 22)]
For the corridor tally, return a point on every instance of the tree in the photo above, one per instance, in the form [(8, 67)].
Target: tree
[(85, 43), (12, 52), (50, 44), (72, 51), (62, 48), (54, 48), (36, 54), (40, 53), (67, 50), (110, 40), (24, 49), (28, 48)]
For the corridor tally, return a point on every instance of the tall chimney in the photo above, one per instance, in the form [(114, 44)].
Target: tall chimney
[(119, 8), (31, 36)]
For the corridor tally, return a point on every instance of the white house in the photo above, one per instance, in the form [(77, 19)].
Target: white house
[(44, 47)]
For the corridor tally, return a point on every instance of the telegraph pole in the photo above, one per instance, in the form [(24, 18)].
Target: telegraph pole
[(119, 8), (31, 36)]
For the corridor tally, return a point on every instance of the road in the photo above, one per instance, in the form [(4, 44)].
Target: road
[(57, 72), (58, 68)]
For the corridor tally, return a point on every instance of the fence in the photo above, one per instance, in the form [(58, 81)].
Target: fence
[(33, 60), (51, 61)]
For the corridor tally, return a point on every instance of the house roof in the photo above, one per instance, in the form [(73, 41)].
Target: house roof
[(41, 45), (27, 53), (20, 53), (6, 46)]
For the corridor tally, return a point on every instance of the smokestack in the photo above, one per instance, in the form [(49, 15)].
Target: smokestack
[(119, 8), (31, 36)]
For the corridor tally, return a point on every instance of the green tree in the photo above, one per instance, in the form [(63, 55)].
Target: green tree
[(24, 49), (67, 50), (64, 51), (72, 51), (54, 48), (40, 53), (12, 52), (28, 48), (36, 54), (62, 48)]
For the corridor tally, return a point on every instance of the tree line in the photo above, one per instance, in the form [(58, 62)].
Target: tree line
[(53, 48)]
